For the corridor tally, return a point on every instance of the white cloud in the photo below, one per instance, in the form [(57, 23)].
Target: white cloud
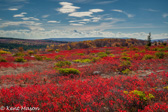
[(53, 21), (165, 15), (35, 33), (20, 15), (45, 16), (151, 10), (108, 19), (72, 21), (30, 18), (80, 14), (76, 24), (85, 19), (28, 24), (0, 19), (13, 9), (96, 10), (106, 2), (121, 11), (96, 19), (67, 7), (117, 10)]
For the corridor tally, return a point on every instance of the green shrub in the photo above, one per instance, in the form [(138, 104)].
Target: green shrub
[(82, 61), (4, 52), (126, 71), (142, 51), (68, 71), (142, 95), (154, 49), (166, 48), (19, 54), (59, 57), (57, 50), (161, 49), (94, 59), (102, 54), (39, 58), (50, 50), (125, 58), (92, 54), (160, 55), (135, 49), (107, 52), (112, 55), (147, 47), (148, 56), (48, 59), (136, 56), (124, 54), (125, 63), (62, 63), (20, 59), (80, 54), (2, 59), (30, 52)]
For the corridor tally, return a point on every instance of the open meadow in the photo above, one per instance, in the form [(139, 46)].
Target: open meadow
[(105, 79)]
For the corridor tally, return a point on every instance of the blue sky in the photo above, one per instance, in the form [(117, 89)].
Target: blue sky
[(38, 19)]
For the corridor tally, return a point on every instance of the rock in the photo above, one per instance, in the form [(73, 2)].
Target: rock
[(96, 72)]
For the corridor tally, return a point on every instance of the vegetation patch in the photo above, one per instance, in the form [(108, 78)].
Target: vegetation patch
[(63, 64), (20, 59), (82, 60), (148, 56), (68, 71)]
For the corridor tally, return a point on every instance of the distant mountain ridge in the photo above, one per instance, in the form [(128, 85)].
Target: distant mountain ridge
[(162, 40), (82, 39)]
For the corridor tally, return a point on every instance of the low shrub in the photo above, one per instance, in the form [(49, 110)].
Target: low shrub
[(102, 54), (140, 94), (68, 71), (19, 54), (112, 55), (30, 52), (126, 71), (48, 59), (59, 57), (4, 52), (161, 49), (136, 56), (94, 59), (148, 56), (39, 58), (2, 59), (50, 50), (125, 58), (62, 63), (57, 50), (80, 54), (107, 52), (124, 54), (125, 63), (82, 61), (142, 51), (20, 59), (159, 55)]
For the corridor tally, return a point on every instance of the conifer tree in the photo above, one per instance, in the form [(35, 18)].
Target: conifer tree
[(149, 40)]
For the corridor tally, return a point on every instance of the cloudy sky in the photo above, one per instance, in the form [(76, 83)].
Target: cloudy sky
[(38, 19)]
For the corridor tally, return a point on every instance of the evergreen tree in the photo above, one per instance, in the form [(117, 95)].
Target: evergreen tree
[(149, 40)]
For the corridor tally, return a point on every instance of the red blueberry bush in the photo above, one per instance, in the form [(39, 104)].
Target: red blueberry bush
[(121, 79)]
